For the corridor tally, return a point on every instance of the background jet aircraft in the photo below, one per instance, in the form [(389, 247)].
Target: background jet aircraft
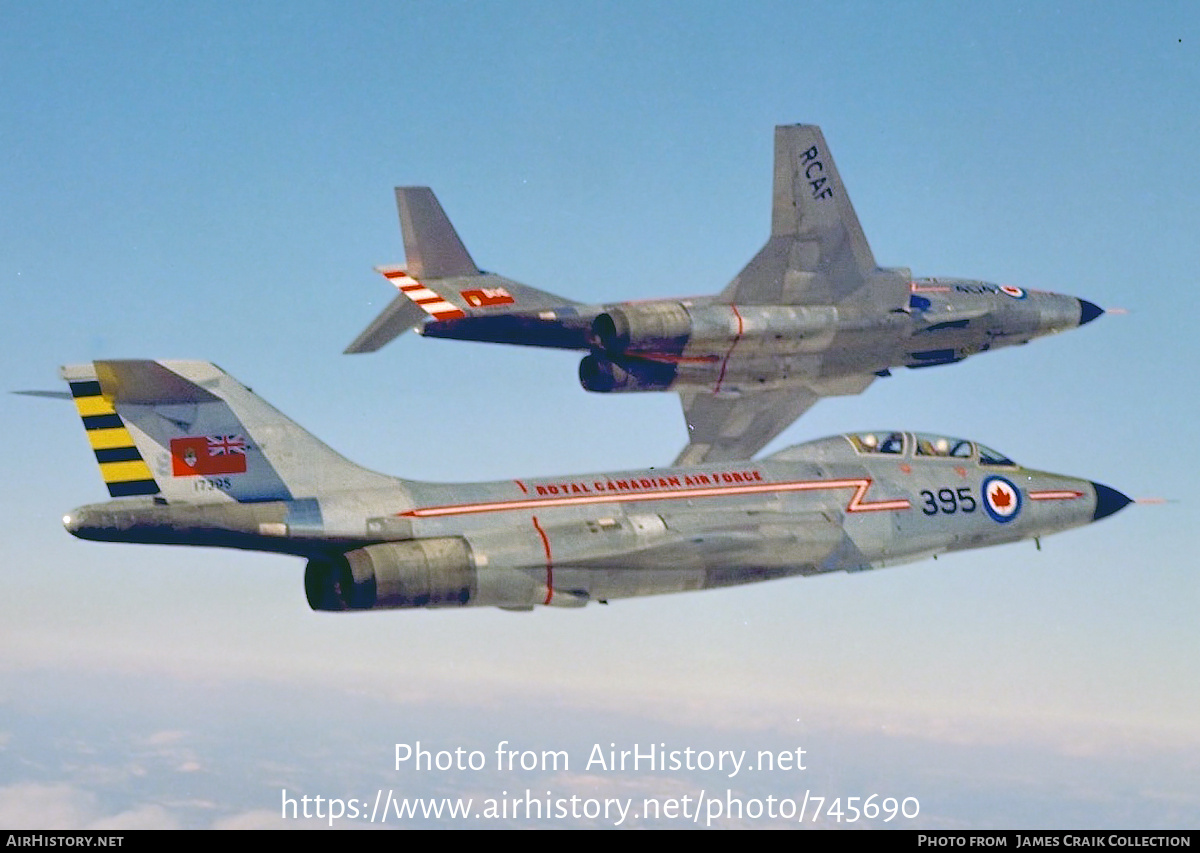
[(810, 316), (192, 457)]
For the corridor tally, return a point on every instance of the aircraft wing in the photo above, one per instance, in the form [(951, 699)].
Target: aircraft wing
[(817, 253), (738, 426), (727, 427)]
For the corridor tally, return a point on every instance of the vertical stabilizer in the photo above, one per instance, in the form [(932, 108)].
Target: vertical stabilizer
[(188, 431), (817, 253), (432, 248), (810, 203)]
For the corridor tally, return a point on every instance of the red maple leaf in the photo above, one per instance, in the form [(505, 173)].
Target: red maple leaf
[(1000, 498)]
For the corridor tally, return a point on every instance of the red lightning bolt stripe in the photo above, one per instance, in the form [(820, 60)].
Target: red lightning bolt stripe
[(855, 504)]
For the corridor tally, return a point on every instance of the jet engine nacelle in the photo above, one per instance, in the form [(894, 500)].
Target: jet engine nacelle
[(617, 375), (442, 572), (662, 327), (418, 573), (712, 329)]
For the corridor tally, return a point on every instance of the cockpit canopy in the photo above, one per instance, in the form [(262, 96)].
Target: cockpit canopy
[(892, 444)]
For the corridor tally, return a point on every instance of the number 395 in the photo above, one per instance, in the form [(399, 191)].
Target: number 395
[(948, 501)]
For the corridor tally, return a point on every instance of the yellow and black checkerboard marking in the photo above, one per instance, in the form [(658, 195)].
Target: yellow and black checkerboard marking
[(121, 465)]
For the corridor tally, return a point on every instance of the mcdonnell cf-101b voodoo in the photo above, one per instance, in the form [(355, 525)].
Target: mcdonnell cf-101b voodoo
[(192, 457), (810, 316)]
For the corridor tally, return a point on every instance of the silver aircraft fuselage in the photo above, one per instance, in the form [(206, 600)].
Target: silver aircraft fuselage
[(811, 315), (703, 346), (845, 503)]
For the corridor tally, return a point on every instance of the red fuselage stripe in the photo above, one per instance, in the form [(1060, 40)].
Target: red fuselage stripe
[(856, 503), (549, 561), (738, 337), (1063, 495)]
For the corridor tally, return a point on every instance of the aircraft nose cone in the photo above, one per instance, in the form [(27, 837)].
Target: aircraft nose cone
[(1088, 311), (1108, 501)]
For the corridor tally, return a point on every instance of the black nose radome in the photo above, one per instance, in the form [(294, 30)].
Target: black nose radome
[(1088, 311), (1108, 501)]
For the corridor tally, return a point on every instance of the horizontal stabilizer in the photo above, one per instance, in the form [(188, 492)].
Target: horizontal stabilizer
[(53, 395), (400, 316)]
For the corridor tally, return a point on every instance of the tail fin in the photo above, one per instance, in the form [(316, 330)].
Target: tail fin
[(442, 284), (810, 201), (432, 247), (188, 431), (817, 253), (433, 250)]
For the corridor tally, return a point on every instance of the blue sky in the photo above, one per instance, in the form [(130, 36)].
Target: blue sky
[(215, 182)]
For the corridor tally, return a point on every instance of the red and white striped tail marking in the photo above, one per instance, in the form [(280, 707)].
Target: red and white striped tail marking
[(433, 304)]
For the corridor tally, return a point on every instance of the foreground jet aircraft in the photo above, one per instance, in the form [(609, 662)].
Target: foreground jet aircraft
[(810, 316), (193, 457)]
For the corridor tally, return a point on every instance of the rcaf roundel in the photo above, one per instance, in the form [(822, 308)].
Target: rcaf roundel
[(1013, 291), (1001, 499)]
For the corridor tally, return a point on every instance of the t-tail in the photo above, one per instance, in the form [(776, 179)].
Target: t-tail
[(443, 291), (186, 431)]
